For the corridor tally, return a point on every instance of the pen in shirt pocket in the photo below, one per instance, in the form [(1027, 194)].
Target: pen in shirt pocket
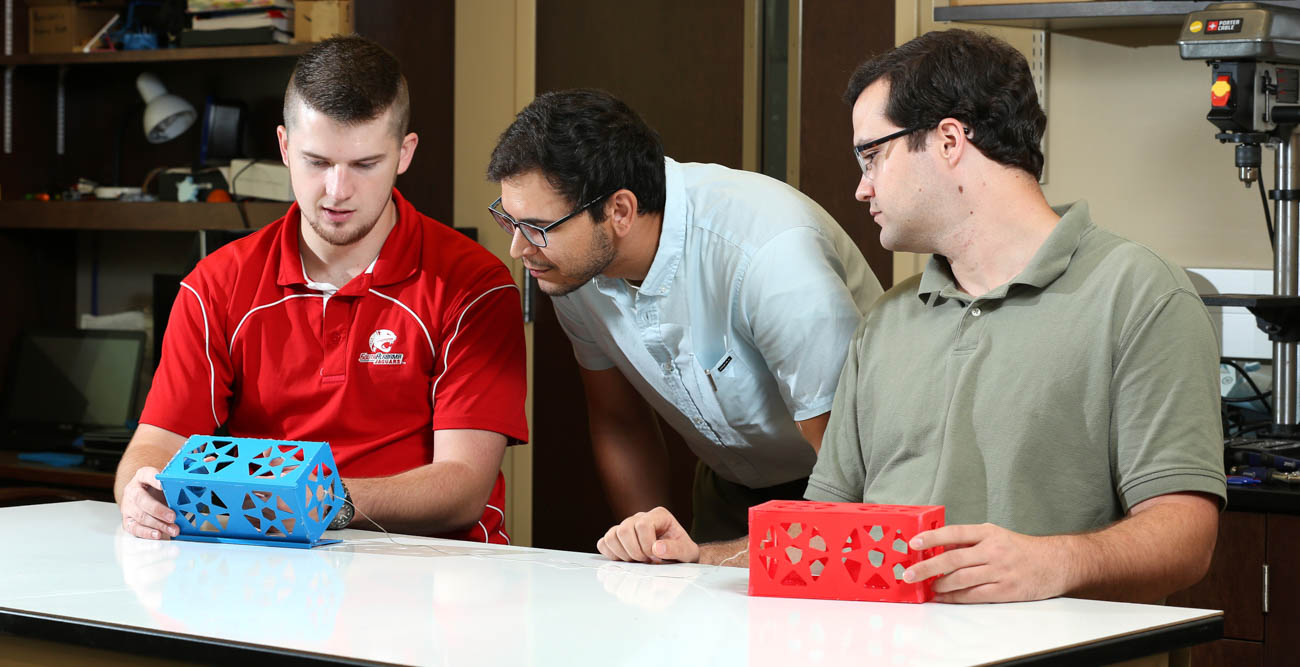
[(722, 366)]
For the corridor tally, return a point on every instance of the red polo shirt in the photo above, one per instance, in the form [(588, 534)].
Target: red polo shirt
[(429, 338)]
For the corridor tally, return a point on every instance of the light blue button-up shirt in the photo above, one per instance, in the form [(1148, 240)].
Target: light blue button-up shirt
[(741, 326)]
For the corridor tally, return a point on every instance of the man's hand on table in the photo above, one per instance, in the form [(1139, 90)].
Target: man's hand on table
[(988, 563), (144, 510), (649, 537)]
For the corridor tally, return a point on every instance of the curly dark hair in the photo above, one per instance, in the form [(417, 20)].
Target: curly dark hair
[(978, 79), (587, 143), (351, 80)]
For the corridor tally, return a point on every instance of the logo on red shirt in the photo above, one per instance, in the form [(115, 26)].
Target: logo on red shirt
[(381, 345)]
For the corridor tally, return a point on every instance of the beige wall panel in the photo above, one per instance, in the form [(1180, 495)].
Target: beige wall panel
[(1128, 133), (491, 85)]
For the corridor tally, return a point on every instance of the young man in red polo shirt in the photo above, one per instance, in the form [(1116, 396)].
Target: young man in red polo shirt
[(353, 319)]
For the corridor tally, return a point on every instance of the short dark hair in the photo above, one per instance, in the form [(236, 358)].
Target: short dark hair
[(587, 144), (351, 80), (978, 79)]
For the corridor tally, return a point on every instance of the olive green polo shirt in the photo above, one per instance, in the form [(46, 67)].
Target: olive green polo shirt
[(1053, 404)]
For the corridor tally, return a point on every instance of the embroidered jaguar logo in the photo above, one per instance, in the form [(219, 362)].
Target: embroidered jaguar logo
[(381, 350), (382, 340)]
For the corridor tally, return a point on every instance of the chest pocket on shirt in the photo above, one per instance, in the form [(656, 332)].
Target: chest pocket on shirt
[(733, 395)]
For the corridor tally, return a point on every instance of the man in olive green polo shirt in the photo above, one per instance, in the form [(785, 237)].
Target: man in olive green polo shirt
[(1052, 385)]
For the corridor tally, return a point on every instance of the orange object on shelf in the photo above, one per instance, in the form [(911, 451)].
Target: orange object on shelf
[(218, 195)]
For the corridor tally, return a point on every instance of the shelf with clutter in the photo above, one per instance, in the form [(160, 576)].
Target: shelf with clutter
[(244, 52), (107, 31), (138, 216), (74, 125), (138, 162)]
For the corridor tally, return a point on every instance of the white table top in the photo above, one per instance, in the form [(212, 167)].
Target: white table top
[(458, 603)]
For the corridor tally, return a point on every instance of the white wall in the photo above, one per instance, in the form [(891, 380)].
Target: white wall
[(1126, 131)]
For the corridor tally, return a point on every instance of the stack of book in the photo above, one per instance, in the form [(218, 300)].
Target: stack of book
[(238, 22)]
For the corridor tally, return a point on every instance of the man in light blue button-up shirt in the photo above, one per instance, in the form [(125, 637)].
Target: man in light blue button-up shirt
[(723, 300)]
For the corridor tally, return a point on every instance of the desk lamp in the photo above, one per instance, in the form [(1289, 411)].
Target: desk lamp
[(166, 116)]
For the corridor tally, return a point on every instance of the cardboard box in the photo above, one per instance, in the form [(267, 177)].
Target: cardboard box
[(264, 179), (61, 28), (317, 20)]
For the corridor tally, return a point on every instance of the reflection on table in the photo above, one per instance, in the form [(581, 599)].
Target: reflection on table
[(419, 600)]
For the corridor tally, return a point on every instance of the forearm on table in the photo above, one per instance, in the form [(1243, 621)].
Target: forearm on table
[(1157, 550), (439, 497), (733, 553), (150, 446), (633, 464)]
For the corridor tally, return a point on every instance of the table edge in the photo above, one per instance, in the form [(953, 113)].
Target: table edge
[(174, 645), (155, 643), (1152, 641)]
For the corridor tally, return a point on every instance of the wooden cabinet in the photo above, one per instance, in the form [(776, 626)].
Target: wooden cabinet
[(1282, 622), (1253, 579)]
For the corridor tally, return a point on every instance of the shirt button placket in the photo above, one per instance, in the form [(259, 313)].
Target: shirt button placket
[(971, 325), (337, 318)]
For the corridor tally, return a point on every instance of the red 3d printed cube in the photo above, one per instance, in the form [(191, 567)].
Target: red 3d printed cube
[(838, 551)]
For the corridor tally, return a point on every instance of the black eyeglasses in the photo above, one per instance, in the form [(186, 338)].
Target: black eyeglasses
[(867, 157), (532, 233)]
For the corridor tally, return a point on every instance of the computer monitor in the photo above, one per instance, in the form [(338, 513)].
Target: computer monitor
[(74, 380)]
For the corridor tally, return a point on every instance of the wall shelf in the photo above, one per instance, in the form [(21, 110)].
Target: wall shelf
[(158, 55), (1126, 22), (138, 216)]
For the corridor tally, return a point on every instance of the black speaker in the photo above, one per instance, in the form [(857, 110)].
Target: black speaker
[(223, 128)]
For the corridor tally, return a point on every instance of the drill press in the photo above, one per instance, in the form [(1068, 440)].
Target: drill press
[(1253, 50)]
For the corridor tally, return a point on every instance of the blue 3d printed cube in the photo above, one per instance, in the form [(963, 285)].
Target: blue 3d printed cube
[(252, 491)]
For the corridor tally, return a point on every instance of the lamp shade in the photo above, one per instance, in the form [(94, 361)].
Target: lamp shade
[(166, 116)]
